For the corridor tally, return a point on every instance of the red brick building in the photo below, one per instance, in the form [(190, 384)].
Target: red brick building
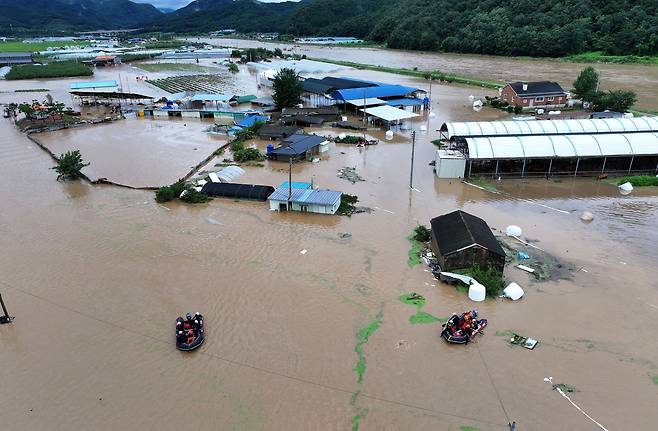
[(540, 94)]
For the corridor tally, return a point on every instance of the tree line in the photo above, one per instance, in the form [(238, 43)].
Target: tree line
[(513, 27)]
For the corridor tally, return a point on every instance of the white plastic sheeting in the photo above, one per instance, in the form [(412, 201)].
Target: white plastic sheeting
[(389, 113), (544, 127), (226, 175), (527, 147)]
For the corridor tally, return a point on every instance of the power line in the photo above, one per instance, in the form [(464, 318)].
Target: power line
[(432, 412)]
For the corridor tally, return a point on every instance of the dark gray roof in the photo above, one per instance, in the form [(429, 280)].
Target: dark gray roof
[(316, 86), (238, 191), (458, 230), (538, 88), (344, 83), (273, 130), (310, 119), (298, 144), (326, 110)]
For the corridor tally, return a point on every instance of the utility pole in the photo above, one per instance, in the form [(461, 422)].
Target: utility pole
[(413, 149), (290, 180)]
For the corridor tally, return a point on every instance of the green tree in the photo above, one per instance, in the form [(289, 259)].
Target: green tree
[(287, 88), (27, 109), (586, 85), (70, 165), (233, 68), (614, 100)]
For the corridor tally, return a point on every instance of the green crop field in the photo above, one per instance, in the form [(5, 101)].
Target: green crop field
[(16, 46), (56, 69)]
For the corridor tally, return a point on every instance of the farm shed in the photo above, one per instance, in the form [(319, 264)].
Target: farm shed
[(238, 191), (460, 240)]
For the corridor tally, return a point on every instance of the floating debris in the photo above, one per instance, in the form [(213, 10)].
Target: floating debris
[(344, 235), (349, 174)]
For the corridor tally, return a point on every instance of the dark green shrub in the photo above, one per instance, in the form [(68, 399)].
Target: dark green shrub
[(490, 278), (170, 192), (510, 109), (248, 155), (422, 234), (192, 196), (347, 204), (518, 110)]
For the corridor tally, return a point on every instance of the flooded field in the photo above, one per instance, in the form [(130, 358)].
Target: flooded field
[(643, 79), (137, 153), (96, 276)]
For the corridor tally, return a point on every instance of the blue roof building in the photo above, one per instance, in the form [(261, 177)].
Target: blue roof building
[(379, 91)]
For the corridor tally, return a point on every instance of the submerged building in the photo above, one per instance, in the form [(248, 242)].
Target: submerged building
[(461, 240), (301, 197), (589, 147)]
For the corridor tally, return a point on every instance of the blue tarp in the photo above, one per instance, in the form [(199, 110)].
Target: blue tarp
[(295, 185), (383, 90), (251, 120), (203, 97), (404, 102)]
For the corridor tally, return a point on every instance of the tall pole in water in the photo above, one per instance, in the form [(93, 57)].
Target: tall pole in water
[(290, 179), (6, 318), (413, 149)]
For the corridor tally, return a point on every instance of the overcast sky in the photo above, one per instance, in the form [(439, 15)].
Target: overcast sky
[(175, 4)]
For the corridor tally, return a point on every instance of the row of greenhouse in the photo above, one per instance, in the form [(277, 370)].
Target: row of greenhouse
[(589, 147)]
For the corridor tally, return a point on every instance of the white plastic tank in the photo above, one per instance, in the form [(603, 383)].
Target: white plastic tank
[(477, 292), (389, 134)]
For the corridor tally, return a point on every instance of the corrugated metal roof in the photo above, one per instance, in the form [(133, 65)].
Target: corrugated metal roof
[(550, 146), (406, 101), (548, 127), (298, 144), (307, 196), (97, 84), (383, 90)]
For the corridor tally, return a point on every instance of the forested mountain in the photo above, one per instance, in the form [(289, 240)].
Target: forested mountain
[(501, 27), (52, 15), (242, 15)]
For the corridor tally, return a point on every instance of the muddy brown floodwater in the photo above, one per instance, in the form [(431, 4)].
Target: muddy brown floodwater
[(643, 79), (96, 276)]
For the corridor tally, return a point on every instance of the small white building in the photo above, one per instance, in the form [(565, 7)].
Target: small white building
[(450, 164), (305, 200)]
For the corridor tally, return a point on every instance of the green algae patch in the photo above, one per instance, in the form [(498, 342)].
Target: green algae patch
[(421, 317), (508, 333), (655, 380), (362, 337), (414, 252), (468, 429), (356, 420)]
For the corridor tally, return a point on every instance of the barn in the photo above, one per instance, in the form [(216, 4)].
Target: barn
[(461, 240)]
